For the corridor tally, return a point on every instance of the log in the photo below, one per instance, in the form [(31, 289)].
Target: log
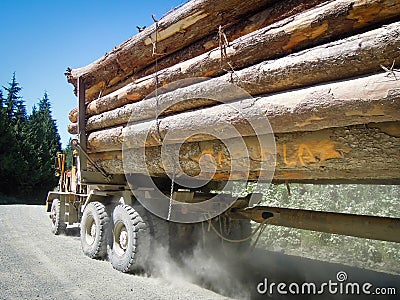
[(368, 99), (73, 115), (325, 22), (323, 63), (274, 13), (183, 26), (360, 153), (72, 128)]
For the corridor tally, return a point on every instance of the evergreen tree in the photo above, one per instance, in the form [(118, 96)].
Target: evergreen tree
[(28, 145), (13, 101), (20, 118), (69, 152), (13, 125), (6, 159), (44, 142), (15, 107), (20, 123)]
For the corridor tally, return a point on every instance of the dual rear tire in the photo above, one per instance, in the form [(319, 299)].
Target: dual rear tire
[(131, 240), (129, 236), (123, 237)]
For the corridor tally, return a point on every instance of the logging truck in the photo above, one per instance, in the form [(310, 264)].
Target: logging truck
[(319, 76)]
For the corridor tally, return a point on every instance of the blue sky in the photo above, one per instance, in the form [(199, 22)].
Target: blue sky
[(40, 39)]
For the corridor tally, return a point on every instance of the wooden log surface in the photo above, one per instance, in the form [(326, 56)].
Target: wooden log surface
[(72, 128), (273, 13), (323, 63), (357, 153), (351, 56), (276, 40), (183, 26), (73, 115), (374, 98)]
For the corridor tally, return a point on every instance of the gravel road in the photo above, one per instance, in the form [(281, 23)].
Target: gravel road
[(35, 264)]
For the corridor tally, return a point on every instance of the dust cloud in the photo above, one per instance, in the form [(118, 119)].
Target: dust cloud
[(209, 267), (236, 274)]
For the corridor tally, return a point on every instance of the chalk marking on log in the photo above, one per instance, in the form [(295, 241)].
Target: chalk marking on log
[(303, 154)]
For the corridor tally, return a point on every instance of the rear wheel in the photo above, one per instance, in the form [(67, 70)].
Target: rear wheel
[(95, 230), (57, 217), (131, 240), (157, 227)]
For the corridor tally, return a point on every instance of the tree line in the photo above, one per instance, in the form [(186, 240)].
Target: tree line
[(28, 145)]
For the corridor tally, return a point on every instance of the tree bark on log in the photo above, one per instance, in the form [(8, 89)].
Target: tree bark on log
[(333, 61), (274, 13), (262, 44), (330, 62), (362, 100), (356, 153), (306, 29), (183, 26)]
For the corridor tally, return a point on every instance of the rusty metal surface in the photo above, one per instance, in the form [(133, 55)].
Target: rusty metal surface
[(82, 121), (371, 227)]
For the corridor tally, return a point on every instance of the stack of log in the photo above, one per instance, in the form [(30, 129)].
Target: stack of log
[(322, 72)]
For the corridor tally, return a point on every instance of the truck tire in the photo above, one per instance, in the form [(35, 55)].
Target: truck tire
[(157, 227), (131, 240), (57, 213), (95, 230)]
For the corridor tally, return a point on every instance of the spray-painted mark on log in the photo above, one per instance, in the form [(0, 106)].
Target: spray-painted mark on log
[(288, 154)]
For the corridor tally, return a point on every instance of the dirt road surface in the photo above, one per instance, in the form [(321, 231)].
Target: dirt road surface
[(34, 264)]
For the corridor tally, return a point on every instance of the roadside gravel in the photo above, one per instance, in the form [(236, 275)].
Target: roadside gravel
[(35, 264)]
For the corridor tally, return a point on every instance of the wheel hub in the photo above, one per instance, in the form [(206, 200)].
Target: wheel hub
[(123, 239), (91, 231)]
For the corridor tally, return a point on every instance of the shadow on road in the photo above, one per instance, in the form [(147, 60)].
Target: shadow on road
[(265, 268), (73, 231), (239, 276)]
